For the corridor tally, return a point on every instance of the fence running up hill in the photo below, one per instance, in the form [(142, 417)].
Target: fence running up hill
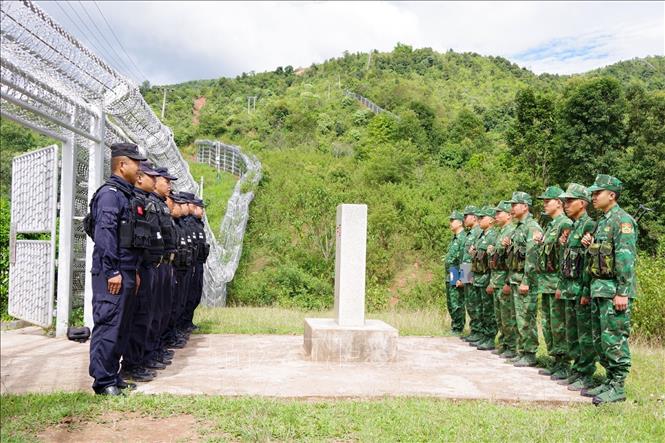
[(228, 246), (53, 84)]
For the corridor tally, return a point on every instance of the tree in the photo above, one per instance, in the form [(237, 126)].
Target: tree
[(531, 136), (592, 130)]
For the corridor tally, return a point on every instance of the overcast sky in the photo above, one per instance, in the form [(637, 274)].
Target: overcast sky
[(171, 42)]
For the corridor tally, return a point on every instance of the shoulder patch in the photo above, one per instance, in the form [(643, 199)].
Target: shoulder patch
[(626, 228)]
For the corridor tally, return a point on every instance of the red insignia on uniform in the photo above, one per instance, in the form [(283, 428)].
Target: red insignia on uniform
[(626, 228), (139, 210)]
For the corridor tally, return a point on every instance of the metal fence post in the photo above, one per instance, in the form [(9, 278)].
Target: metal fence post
[(65, 249), (95, 178)]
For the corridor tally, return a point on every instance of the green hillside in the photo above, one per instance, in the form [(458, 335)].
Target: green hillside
[(469, 129)]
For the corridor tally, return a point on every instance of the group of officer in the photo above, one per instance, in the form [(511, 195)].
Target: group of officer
[(583, 269), (147, 271)]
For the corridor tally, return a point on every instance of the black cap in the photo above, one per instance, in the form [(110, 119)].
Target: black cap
[(199, 202), (188, 196), (146, 168), (176, 198), (164, 172), (126, 150)]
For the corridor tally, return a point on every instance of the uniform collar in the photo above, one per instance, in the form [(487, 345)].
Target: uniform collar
[(614, 209), (141, 192), (120, 182)]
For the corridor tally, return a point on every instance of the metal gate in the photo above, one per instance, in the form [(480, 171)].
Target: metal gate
[(33, 211)]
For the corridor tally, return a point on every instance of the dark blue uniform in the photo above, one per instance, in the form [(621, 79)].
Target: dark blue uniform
[(146, 299), (195, 277), (111, 212)]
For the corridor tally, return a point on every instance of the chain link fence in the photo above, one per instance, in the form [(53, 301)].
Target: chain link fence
[(53, 84), (228, 244)]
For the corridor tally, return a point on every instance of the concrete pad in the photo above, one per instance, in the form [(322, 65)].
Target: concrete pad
[(325, 340), (276, 366)]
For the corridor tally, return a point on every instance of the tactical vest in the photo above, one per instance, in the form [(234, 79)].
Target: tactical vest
[(516, 257), (135, 232), (548, 258), (601, 260), (571, 265)]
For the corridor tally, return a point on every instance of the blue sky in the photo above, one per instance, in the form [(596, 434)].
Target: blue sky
[(172, 42)]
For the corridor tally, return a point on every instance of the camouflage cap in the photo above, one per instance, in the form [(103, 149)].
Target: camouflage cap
[(608, 182), (576, 191), (487, 211), (471, 210), (503, 206), (456, 215), (550, 193), (521, 197)]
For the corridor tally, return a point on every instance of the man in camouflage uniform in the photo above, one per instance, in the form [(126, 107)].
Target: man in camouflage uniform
[(573, 289), (453, 259), (612, 255), (552, 307), (481, 279), (522, 253), (471, 299), (504, 307)]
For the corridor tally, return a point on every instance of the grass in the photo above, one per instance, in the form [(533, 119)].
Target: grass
[(217, 188), (641, 418), (269, 320)]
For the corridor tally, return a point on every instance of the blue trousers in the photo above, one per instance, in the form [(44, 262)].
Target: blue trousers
[(110, 313), (139, 327)]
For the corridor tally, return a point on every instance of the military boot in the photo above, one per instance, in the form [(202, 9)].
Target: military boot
[(615, 393), (527, 360), (545, 371), (487, 345), (593, 392), (508, 354), (472, 337), (584, 382), (560, 369), (571, 379)]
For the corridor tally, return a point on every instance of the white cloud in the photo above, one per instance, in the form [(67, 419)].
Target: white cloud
[(179, 41)]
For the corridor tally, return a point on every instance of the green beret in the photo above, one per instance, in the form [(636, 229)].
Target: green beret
[(608, 182), (503, 206), (456, 215), (550, 193), (521, 197), (472, 210), (576, 191)]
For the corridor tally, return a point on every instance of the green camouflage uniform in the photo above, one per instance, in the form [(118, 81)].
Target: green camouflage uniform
[(471, 299), (574, 284), (553, 310), (612, 258), (481, 279), (454, 295), (504, 307), (522, 258)]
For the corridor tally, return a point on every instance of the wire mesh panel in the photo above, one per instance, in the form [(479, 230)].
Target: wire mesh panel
[(34, 175), (33, 210), (228, 245), (31, 282)]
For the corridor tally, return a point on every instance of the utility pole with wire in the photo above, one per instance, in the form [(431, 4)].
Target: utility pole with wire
[(251, 103), (163, 103)]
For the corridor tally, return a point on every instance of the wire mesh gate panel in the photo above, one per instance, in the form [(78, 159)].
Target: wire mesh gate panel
[(33, 210)]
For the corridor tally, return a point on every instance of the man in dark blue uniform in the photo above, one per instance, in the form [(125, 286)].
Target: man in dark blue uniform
[(135, 365), (114, 264), (164, 279), (185, 256), (195, 283)]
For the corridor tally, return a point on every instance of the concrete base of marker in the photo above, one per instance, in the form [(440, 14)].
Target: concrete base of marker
[(325, 340)]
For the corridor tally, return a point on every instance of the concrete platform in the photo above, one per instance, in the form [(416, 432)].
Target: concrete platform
[(325, 340), (275, 365)]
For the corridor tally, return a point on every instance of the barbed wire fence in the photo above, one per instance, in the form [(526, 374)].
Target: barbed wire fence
[(228, 244), (51, 83), (368, 103)]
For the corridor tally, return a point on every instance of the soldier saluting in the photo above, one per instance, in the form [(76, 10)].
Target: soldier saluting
[(611, 266)]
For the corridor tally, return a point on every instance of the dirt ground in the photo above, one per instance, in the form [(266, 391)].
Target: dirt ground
[(116, 427)]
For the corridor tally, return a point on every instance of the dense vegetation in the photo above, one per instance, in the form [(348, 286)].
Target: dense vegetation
[(466, 129)]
